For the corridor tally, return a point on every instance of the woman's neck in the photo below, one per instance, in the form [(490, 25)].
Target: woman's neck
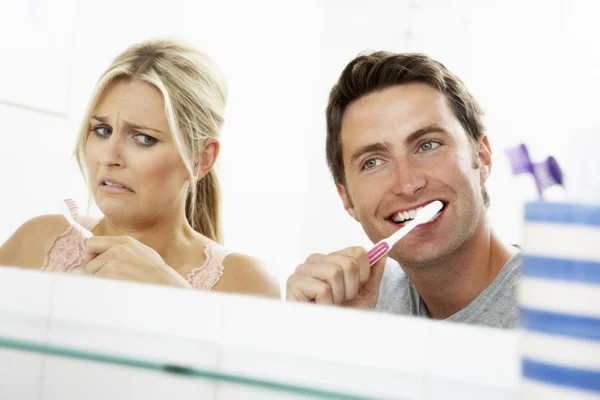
[(167, 235)]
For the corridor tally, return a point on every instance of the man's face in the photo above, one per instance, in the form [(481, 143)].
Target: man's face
[(402, 149)]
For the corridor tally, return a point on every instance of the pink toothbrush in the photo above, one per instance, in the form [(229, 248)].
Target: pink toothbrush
[(69, 208), (424, 215)]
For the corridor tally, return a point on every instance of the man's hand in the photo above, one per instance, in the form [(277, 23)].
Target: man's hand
[(343, 278)]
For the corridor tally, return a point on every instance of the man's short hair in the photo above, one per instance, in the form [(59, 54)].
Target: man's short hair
[(380, 70)]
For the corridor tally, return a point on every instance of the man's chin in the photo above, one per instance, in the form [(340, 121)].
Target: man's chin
[(421, 259)]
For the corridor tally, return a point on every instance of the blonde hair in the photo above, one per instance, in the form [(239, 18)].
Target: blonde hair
[(195, 93)]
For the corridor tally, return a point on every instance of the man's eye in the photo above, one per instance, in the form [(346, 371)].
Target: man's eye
[(430, 145), (372, 163), (144, 139)]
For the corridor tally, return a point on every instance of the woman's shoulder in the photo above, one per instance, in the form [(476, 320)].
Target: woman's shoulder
[(245, 274), (45, 226), (28, 245)]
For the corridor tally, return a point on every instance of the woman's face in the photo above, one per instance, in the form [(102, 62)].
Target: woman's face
[(135, 171)]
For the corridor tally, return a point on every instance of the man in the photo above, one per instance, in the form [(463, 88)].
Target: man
[(403, 131)]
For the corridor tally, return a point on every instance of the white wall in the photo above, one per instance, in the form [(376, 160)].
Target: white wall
[(531, 65)]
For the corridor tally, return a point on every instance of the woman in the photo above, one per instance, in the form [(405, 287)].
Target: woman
[(147, 145)]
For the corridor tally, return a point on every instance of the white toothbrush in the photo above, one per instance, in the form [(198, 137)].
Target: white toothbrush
[(424, 215), (67, 206)]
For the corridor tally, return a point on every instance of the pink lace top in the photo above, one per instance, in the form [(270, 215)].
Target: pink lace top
[(68, 250)]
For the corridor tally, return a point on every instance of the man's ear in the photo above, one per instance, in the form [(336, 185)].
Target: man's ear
[(484, 152), (348, 206), (207, 158)]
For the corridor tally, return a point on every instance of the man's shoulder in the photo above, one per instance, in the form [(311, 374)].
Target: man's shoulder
[(497, 305), (396, 294), (511, 269), (393, 275)]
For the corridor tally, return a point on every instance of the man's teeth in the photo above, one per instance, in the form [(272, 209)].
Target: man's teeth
[(407, 215)]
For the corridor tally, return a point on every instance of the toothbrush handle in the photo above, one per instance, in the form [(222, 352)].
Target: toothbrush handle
[(377, 252), (84, 232)]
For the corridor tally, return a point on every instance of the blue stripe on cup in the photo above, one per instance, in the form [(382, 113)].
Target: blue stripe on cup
[(561, 213), (561, 269), (560, 324), (559, 375)]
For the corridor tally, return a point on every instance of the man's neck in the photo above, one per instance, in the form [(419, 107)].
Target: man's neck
[(452, 284)]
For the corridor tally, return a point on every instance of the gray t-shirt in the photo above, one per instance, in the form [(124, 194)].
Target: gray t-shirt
[(496, 306)]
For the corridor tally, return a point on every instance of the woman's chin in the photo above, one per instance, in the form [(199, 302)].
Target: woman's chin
[(115, 212)]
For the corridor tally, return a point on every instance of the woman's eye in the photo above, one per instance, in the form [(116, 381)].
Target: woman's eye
[(427, 146), (372, 163), (102, 131), (144, 139)]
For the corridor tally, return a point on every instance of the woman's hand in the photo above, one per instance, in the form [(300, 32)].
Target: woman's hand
[(124, 258)]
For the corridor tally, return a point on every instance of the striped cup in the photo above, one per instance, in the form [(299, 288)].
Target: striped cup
[(559, 301)]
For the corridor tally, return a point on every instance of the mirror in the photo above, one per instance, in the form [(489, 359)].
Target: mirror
[(279, 201)]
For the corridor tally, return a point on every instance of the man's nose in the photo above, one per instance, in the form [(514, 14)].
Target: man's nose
[(408, 179)]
